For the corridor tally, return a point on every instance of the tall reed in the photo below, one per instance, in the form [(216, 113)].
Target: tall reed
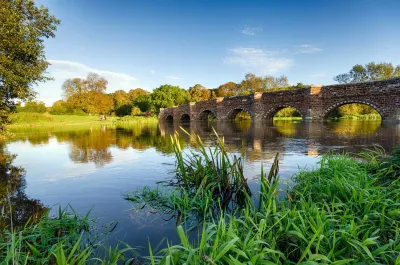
[(342, 212)]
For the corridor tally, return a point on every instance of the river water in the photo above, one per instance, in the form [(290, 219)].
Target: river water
[(92, 167)]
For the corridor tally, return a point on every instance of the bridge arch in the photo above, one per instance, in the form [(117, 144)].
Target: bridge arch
[(169, 118), (206, 114), (185, 117), (270, 113), (235, 111), (345, 102)]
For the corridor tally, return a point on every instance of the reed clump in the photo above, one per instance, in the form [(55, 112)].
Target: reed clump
[(345, 211), (205, 183), (64, 239)]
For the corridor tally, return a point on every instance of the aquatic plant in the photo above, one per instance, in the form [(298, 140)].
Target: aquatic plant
[(205, 182), (63, 239), (342, 212)]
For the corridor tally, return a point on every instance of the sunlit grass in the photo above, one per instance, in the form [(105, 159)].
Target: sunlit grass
[(343, 212), (45, 120), (64, 239)]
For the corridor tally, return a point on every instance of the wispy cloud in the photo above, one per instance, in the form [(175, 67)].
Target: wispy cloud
[(319, 75), (172, 77), (68, 69), (307, 48), (257, 60), (152, 71), (250, 30)]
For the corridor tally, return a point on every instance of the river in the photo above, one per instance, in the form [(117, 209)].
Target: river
[(92, 167)]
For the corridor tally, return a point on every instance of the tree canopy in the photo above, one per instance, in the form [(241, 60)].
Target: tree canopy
[(23, 28), (370, 72)]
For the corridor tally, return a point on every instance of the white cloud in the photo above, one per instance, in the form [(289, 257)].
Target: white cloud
[(152, 71), (257, 60), (59, 70), (307, 48), (70, 69), (250, 31), (172, 77), (319, 75)]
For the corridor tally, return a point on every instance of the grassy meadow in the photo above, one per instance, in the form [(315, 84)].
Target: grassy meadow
[(37, 120)]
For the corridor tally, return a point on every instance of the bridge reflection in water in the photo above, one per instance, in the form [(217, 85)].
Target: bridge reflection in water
[(255, 141)]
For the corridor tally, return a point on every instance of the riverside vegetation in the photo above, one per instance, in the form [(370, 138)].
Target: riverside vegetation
[(345, 211)]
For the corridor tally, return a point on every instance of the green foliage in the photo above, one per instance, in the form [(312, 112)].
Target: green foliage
[(199, 93), (32, 106), (204, 183), (287, 112), (62, 239), (60, 107), (243, 116), (144, 103), (167, 96), (355, 111), (88, 94), (343, 212), (23, 28), (370, 72), (135, 111)]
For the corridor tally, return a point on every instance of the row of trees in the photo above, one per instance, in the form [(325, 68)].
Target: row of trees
[(370, 72), (88, 96)]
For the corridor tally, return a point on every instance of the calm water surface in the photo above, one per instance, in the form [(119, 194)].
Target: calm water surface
[(90, 168)]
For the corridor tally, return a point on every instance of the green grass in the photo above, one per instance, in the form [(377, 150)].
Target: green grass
[(39, 120), (287, 118), (63, 239), (359, 117), (345, 211)]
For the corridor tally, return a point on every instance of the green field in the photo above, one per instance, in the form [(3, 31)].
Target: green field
[(38, 120)]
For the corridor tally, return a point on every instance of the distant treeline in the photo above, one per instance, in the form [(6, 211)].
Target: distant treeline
[(88, 96)]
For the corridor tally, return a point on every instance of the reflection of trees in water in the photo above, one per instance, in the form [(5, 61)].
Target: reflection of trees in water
[(92, 146), (286, 128), (254, 141), (16, 206), (354, 127)]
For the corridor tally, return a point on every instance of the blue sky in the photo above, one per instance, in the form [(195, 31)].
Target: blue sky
[(147, 43)]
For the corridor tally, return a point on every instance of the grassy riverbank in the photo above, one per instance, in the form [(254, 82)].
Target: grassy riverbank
[(37, 120), (344, 211)]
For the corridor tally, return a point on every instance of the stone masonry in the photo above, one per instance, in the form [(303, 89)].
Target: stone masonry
[(313, 103)]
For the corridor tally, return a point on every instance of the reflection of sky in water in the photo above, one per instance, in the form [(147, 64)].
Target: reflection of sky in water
[(94, 168)]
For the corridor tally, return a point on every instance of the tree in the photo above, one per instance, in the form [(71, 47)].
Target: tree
[(134, 93), (144, 103), (167, 96), (60, 107), (88, 94), (370, 72), (251, 84), (198, 93), (23, 28), (227, 89), (32, 106), (122, 103)]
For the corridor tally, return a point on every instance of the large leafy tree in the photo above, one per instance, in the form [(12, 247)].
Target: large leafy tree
[(134, 93), (370, 72), (167, 96), (88, 94), (199, 93), (23, 28), (227, 89)]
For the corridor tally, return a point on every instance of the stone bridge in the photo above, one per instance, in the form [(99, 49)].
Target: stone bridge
[(312, 103)]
